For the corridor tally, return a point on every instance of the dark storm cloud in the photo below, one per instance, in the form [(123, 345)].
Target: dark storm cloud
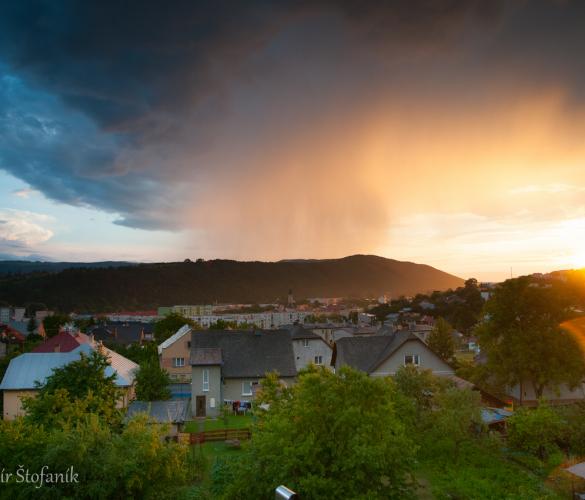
[(121, 61), (118, 104)]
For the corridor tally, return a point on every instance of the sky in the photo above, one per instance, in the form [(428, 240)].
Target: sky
[(444, 132)]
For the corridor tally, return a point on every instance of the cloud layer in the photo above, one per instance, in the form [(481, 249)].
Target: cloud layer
[(294, 129)]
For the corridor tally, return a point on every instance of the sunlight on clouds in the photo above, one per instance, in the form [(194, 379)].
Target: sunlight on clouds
[(23, 227)]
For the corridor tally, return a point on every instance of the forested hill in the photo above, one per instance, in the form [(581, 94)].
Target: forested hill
[(27, 266), (146, 286)]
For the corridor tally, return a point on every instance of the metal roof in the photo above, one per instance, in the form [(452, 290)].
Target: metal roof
[(172, 411), (25, 370)]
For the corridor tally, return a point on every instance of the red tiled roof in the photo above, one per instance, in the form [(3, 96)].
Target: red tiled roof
[(62, 342), (6, 330)]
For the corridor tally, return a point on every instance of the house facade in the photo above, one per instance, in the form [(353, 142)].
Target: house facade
[(174, 356), (227, 366), (309, 348), (383, 355), (525, 395)]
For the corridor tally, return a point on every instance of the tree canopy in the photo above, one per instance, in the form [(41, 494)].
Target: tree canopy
[(169, 325), (328, 436), (523, 340), (441, 341), (152, 382), (53, 324), (78, 388)]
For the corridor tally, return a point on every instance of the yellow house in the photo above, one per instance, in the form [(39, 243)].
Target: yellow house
[(24, 371)]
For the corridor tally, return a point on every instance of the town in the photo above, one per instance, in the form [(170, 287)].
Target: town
[(213, 379), (292, 250)]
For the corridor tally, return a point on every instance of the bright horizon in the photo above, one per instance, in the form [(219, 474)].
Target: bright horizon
[(447, 136)]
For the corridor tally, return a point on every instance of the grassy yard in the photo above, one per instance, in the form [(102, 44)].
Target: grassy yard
[(213, 424), (484, 475)]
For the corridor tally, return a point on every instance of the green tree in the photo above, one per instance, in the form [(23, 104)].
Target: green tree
[(152, 382), (454, 421), (133, 463), (31, 326), (523, 340), (53, 324), (535, 430), (74, 390), (441, 340), (84, 323), (169, 325), (328, 436), (139, 353), (418, 388)]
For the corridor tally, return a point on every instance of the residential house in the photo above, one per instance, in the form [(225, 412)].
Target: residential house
[(64, 341), (123, 332), (227, 365), (383, 355), (24, 371), (308, 347), (524, 394), (174, 356), (9, 335), (324, 330), (22, 327), (171, 413)]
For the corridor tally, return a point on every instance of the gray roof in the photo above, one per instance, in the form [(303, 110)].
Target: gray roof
[(121, 332), (247, 353), (164, 412), (25, 370), (366, 353), (206, 356), (297, 332)]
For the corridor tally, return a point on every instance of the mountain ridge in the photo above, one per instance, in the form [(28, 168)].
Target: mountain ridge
[(145, 286)]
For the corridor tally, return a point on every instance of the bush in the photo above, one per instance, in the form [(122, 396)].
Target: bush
[(535, 430)]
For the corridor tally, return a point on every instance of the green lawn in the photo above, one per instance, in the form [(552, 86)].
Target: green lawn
[(482, 474), (213, 424)]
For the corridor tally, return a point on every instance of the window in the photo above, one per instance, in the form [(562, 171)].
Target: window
[(205, 380), (318, 360), (306, 343), (411, 359), (178, 362), (246, 388)]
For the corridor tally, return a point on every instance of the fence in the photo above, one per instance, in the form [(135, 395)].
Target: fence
[(219, 435)]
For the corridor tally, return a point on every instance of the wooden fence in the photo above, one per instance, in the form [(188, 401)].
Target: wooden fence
[(219, 435)]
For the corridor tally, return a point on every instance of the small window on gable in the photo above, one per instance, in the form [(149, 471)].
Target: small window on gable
[(305, 342), (178, 362), (411, 359)]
